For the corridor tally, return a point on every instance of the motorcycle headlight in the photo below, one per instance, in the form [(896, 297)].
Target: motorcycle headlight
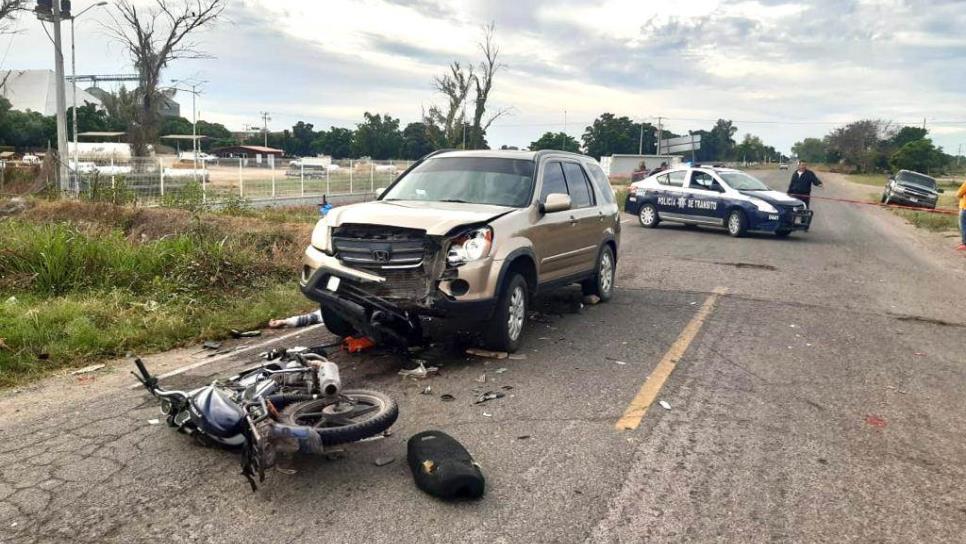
[(471, 246), (322, 236), (764, 206)]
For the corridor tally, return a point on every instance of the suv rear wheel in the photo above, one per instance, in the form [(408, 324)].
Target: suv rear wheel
[(510, 317), (336, 324), (602, 284)]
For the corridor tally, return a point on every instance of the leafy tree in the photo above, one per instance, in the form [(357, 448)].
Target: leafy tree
[(8, 11), (906, 135), (556, 140), (90, 118), (377, 137), (303, 136), (25, 129), (860, 144), (720, 141), (919, 155), (174, 125), (417, 141), (336, 142), (811, 150), (217, 135), (610, 135)]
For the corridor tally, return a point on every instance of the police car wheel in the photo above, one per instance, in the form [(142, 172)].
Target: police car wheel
[(737, 223), (647, 216)]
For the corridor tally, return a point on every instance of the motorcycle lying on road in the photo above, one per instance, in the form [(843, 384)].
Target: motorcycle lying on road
[(293, 403)]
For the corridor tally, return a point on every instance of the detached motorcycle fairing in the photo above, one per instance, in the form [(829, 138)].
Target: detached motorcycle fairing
[(214, 413)]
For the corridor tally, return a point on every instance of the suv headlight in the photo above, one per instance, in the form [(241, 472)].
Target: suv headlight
[(470, 246), (322, 236), (764, 206)]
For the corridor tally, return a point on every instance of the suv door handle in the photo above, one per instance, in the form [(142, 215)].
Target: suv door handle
[(600, 215), (573, 221)]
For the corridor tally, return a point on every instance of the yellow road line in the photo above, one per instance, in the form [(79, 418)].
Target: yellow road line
[(655, 381)]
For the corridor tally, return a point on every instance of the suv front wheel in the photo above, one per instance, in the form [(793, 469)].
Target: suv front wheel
[(506, 327)]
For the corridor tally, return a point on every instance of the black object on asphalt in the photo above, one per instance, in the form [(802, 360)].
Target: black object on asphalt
[(443, 468)]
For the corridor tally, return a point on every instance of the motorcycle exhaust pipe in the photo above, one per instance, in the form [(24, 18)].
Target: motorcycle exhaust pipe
[(329, 382)]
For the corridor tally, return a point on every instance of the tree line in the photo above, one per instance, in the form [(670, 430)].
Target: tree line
[(876, 145)]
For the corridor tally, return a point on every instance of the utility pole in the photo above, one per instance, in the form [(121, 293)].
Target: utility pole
[(73, 90), (265, 120), (660, 134), (55, 16), (640, 143)]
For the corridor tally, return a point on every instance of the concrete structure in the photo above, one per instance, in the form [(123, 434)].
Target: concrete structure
[(36, 90), (246, 151), (624, 165)]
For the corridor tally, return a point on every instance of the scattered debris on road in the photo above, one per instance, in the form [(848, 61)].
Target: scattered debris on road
[(357, 344), (235, 333), (875, 421), (383, 461), (488, 396), (419, 373), (523, 437), (500, 370), (154, 422), (482, 378), (664, 404), (87, 369), (487, 414), (590, 300), (487, 353), (446, 397), (211, 344), (428, 390)]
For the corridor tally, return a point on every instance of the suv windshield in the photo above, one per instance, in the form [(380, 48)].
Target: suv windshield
[(476, 180), (917, 179), (740, 181)]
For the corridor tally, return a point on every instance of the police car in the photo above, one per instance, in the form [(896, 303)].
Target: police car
[(720, 197)]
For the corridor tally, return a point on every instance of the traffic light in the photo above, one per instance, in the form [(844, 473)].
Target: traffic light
[(46, 7)]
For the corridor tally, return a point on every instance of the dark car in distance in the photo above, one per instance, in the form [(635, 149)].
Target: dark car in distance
[(912, 189)]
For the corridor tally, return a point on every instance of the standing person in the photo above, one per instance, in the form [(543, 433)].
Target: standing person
[(801, 185), (961, 194)]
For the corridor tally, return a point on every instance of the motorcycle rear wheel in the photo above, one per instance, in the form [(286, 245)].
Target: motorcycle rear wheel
[(360, 413)]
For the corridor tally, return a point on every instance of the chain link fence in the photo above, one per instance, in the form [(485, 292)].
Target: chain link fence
[(170, 180)]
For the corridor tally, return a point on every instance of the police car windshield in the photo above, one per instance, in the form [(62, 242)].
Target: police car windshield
[(740, 181)]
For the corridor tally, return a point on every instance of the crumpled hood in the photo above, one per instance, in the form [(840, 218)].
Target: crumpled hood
[(436, 218), (774, 197)]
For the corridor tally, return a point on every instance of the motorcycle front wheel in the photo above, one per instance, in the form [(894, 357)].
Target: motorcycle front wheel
[(355, 414)]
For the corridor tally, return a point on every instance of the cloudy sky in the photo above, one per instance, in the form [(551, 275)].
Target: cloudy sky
[(781, 69)]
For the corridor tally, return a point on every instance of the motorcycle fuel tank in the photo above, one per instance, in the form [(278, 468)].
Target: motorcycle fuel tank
[(215, 413)]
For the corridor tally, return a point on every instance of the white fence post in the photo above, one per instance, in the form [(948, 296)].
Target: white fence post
[(112, 172), (272, 166), (241, 180), (302, 178), (161, 169)]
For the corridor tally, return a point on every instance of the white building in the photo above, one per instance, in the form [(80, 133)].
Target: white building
[(624, 165), (36, 90)]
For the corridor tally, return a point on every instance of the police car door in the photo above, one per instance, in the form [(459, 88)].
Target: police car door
[(671, 194), (705, 194)]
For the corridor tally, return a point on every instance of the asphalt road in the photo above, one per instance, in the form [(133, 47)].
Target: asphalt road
[(819, 401)]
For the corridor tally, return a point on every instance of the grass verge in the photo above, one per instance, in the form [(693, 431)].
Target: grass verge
[(80, 282)]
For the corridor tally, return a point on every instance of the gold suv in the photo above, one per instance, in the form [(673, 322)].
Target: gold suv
[(468, 235)]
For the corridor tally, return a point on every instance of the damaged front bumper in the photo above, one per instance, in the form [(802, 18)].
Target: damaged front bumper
[(376, 301)]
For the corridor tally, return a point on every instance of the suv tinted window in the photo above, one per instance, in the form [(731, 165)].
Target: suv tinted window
[(553, 181), (578, 185), (601, 182)]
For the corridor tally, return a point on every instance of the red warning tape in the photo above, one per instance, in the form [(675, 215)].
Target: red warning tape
[(945, 211)]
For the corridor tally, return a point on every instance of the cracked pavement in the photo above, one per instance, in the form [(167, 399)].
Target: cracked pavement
[(767, 440)]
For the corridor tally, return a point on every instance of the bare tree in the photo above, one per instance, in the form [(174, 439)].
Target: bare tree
[(484, 84), (8, 11), (455, 85), (154, 37)]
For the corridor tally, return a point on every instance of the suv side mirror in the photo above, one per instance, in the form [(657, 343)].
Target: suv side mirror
[(556, 202)]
